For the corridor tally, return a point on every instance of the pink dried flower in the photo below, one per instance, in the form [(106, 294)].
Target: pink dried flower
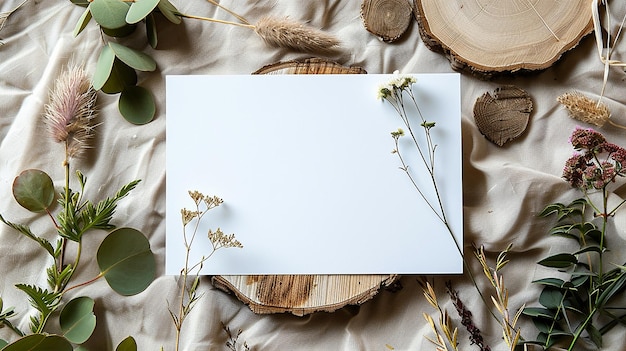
[(586, 138), (71, 109)]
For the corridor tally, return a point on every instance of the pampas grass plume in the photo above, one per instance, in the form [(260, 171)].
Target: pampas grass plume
[(286, 33), (71, 109)]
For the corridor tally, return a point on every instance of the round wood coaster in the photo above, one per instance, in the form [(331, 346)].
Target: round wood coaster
[(303, 294), (503, 35), (387, 19), (503, 115)]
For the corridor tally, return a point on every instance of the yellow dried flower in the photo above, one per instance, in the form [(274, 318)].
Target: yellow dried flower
[(584, 109)]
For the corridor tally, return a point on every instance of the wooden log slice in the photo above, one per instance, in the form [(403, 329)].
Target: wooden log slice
[(489, 36), (503, 116), (303, 294), (387, 19)]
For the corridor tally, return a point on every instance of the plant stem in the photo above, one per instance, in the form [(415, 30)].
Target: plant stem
[(215, 20), (580, 329)]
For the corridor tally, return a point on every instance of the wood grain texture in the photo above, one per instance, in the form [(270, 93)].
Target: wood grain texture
[(503, 116), (503, 36), (387, 19), (304, 294)]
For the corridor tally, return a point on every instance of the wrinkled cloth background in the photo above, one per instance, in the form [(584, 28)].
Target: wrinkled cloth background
[(504, 187)]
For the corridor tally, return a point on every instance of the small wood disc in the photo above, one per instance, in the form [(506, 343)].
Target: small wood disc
[(304, 294), (503, 116), (387, 19)]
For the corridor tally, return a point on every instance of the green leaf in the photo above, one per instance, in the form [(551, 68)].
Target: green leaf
[(82, 22), (551, 298), (41, 299), (109, 13), (121, 76), (551, 209), (137, 105), (121, 31), (563, 260), (33, 189), (103, 67), (140, 9), (555, 282), (134, 58), (40, 342), (77, 320), (28, 233), (594, 335), (169, 11), (3, 343), (538, 312), (127, 344), (589, 249), (616, 285), (126, 261), (151, 31), (80, 2)]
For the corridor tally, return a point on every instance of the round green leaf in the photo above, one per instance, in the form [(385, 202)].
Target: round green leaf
[(127, 344), (551, 298), (40, 342), (103, 67), (82, 22), (126, 261), (109, 13), (140, 9), (77, 319), (33, 189), (169, 11), (134, 58), (151, 31), (3, 343), (120, 32), (121, 77), (137, 105)]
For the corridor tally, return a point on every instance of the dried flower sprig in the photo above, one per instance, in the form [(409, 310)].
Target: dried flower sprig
[(71, 110), (189, 290), (510, 334), (446, 336), (467, 321), (281, 32), (580, 301), (584, 109), (394, 92), (233, 340)]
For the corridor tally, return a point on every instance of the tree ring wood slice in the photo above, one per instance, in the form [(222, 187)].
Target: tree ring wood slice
[(490, 37), (304, 294), (503, 116), (387, 19)]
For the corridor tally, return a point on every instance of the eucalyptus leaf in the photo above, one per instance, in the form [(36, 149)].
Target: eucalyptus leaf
[(40, 342), (77, 319), (556, 282), (3, 343), (169, 11), (126, 261), (80, 2), (82, 22), (127, 344), (563, 260), (33, 189), (121, 76), (538, 312), (121, 31), (151, 31), (103, 67), (137, 105), (140, 9), (109, 13), (134, 58), (551, 298)]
